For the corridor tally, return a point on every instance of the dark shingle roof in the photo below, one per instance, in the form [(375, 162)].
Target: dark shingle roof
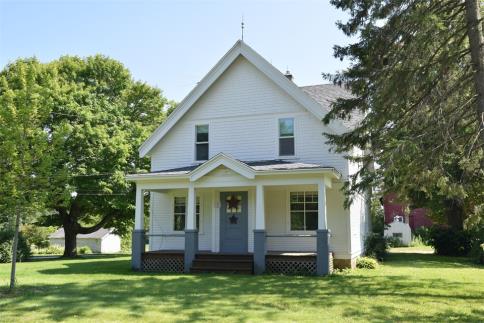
[(326, 94), (59, 234), (259, 165)]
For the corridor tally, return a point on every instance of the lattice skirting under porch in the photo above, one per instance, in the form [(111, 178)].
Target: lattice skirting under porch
[(293, 265), (158, 262)]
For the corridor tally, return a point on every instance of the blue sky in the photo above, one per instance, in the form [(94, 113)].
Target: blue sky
[(172, 44)]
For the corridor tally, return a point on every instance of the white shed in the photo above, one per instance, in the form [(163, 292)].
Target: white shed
[(100, 241), (400, 230)]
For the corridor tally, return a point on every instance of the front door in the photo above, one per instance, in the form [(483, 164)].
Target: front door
[(233, 222)]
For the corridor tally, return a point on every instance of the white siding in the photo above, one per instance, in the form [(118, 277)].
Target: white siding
[(161, 221), (278, 223), (360, 221), (242, 108)]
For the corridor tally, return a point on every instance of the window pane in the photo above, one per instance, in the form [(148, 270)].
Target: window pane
[(202, 133), (297, 206), (286, 127), (179, 222), (311, 220), (202, 151), (297, 220), (311, 197), (311, 206), (286, 147)]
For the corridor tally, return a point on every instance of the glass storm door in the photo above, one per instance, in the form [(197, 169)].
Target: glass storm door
[(233, 222)]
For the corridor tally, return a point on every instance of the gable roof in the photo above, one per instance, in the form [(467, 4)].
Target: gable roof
[(326, 94), (99, 234), (222, 160), (239, 49), (248, 169)]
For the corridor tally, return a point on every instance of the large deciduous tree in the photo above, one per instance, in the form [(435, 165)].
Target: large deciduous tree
[(417, 74), (97, 117)]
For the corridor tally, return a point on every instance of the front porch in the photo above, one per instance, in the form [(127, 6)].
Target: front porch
[(227, 216), (172, 261)]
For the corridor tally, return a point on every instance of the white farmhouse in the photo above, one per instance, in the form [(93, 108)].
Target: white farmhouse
[(242, 180), (100, 241)]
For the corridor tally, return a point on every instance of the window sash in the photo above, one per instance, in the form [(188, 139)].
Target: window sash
[(180, 213), (286, 137), (202, 135), (303, 211), (286, 127)]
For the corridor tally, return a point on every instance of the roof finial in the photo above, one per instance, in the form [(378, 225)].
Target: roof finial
[(242, 27)]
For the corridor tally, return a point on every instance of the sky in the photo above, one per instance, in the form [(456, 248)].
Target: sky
[(173, 44)]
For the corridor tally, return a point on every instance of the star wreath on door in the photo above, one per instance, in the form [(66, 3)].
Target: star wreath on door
[(233, 202)]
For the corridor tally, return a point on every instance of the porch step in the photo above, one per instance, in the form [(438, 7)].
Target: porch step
[(222, 263)]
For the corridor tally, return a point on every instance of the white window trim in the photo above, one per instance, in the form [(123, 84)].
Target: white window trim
[(172, 213), (279, 137), (288, 213), (195, 161)]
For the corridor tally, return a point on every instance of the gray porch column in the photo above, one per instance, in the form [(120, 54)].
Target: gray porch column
[(138, 238), (259, 251), (137, 249), (191, 232), (191, 247), (322, 252), (259, 232)]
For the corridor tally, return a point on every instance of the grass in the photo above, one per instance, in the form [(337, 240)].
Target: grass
[(407, 287)]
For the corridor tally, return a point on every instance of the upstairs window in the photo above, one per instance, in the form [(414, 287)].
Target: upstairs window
[(201, 143), (286, 137), (304, 211), (179, 213)]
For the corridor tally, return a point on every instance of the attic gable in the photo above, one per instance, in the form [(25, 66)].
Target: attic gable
[(239, 49)]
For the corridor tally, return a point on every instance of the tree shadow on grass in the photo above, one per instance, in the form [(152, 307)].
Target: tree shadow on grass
[(430, 261), (215, 297)]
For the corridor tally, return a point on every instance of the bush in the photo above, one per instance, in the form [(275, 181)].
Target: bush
[(450, 242), (6, 242), (126, 243), (417, 241), (84, 250), (477, 244), (423, 233), (36, 235), (376, 246), (394, 242), (50, 250), (366, 263)]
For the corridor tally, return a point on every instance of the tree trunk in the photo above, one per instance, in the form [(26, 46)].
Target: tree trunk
[(70, 241), (476, 43), (455, 214), (70, 233), (14, 251)]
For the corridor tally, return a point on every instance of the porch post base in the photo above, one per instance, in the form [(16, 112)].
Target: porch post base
[(137, 249), (322, 252), (191, 248), (259, 251)]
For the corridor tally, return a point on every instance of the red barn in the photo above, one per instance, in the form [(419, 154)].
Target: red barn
[(392, 207)]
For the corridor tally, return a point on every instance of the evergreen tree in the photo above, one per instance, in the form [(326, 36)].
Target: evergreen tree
[(417, 74)]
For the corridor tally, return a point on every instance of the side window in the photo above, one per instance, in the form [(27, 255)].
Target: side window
[(201, 142), (179, 213), (286, 137), (304, 211)]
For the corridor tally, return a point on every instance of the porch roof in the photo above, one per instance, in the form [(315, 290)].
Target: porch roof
[(259, 167)]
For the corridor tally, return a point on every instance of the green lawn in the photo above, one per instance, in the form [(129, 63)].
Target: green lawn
[(408, 287)]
